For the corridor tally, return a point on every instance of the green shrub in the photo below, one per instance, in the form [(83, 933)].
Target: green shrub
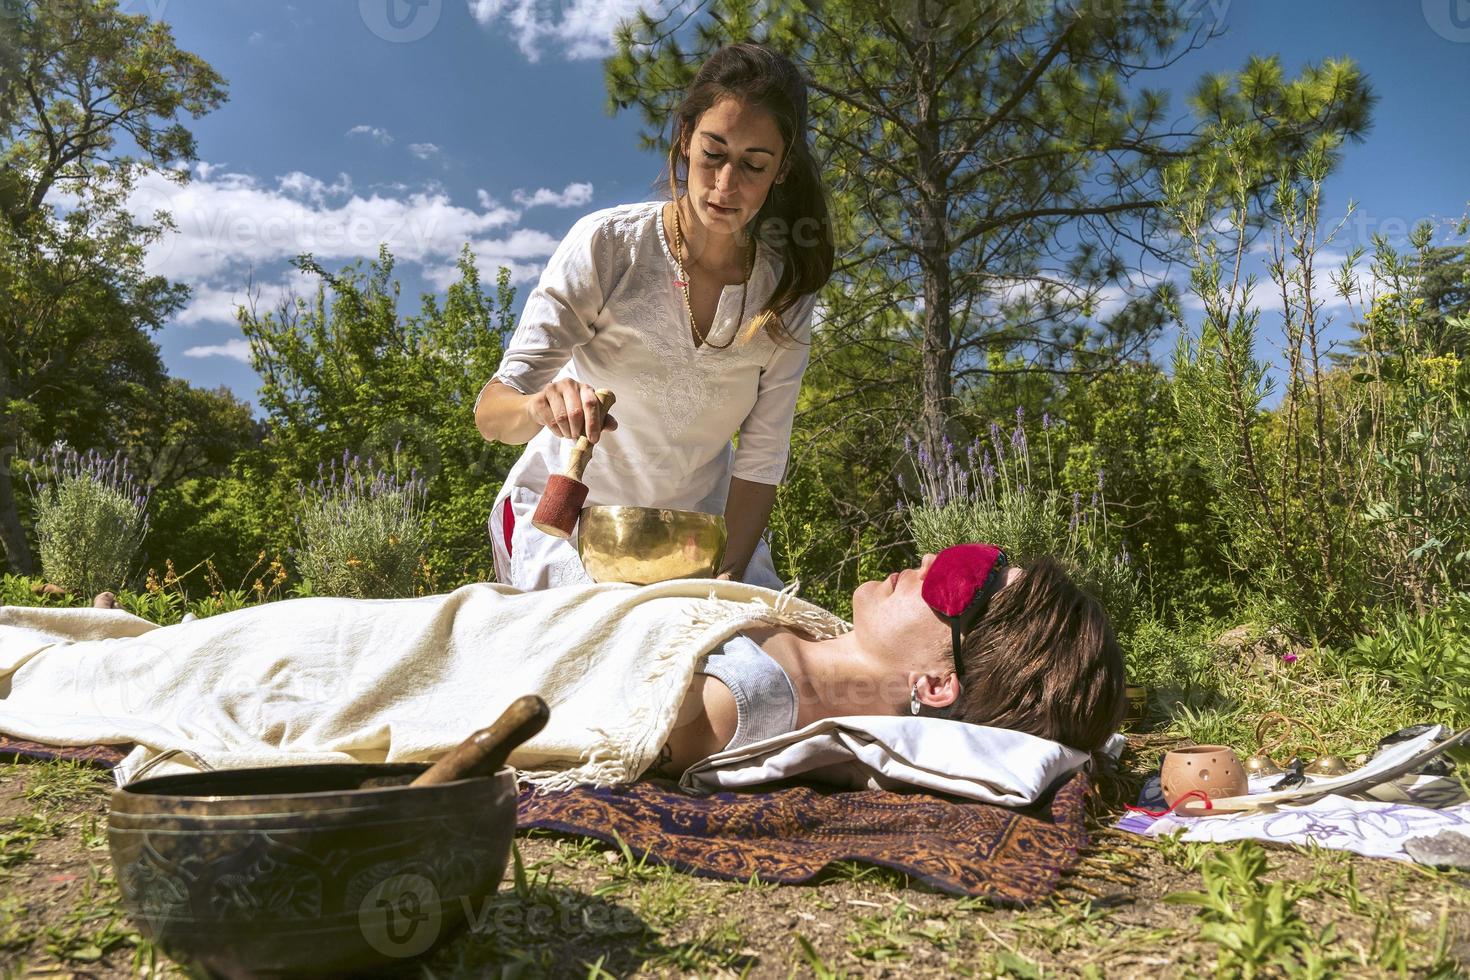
[(363, 533), (1351, 496), (995, 496), (1427, 656), (90, 519)]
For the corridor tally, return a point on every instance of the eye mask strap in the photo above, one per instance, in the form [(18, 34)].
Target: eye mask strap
[(966, 620)]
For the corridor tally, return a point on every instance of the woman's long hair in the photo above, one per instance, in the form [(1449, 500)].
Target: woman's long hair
[(794, 219)]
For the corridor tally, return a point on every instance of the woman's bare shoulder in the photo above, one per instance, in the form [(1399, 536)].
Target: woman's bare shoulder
[(706, 723)]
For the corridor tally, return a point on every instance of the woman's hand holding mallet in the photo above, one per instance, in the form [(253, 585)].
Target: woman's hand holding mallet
[(570, 410)]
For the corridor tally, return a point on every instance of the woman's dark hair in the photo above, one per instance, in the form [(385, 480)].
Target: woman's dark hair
[(1044, 660), (794, 219)]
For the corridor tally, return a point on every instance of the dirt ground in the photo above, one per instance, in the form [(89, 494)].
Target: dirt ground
[(582, 909)]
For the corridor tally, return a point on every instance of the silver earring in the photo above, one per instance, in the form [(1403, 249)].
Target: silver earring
[(914, 700)]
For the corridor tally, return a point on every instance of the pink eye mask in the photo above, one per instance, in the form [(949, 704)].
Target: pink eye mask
[(959, 585)]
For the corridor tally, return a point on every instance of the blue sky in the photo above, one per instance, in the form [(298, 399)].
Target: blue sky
[(350, 122)]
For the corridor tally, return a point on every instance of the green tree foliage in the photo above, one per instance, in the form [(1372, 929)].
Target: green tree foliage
[(1443, 275), (76, 304), (348, 372), (991, 164), (185, 442), (1349, 497), (989, 161)]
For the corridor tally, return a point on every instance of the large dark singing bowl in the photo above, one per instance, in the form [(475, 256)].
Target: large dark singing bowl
[(308, 870), (649, 544)]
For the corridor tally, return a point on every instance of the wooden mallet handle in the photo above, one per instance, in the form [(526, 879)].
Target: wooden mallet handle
[(484, 752), (577, 460), (561, 501)]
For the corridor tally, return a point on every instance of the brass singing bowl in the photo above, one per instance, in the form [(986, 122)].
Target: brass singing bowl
[(642, 545), (309, 870)]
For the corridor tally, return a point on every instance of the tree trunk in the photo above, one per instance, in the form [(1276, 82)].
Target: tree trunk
[(12, 535), (936, 384)]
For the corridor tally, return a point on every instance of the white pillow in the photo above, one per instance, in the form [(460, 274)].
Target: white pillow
[(995, 765)]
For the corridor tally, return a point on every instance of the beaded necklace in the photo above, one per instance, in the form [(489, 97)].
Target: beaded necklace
[(683, 283)]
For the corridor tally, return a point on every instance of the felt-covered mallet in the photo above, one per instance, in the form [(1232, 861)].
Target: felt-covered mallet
[(565, 494)]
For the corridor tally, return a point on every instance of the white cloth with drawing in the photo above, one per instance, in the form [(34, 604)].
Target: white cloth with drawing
[(1380, 822), (606, 312)]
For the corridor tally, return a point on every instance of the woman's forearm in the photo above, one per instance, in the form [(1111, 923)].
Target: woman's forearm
[(747, 509), (501, 415)]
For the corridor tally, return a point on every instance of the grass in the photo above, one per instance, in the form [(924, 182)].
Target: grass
[(1134, 907), (575, 907)]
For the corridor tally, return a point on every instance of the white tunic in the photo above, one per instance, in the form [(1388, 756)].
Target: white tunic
[(607, 313)]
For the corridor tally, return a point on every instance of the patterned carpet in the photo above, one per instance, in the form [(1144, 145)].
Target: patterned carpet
[(790, 834)]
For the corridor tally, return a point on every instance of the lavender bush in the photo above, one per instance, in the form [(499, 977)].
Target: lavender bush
[(362, 532), (996, 492), (91, 515)]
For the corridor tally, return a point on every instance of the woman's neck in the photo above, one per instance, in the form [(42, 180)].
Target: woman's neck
[(832, 677)]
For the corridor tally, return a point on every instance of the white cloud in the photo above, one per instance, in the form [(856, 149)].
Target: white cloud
[(512, 251), (217, 303), (573, 195), (423, 150), (233, 222), (255, 37), (578, 29), (305, 186), (377, 133), (237, 350), (230, 225)]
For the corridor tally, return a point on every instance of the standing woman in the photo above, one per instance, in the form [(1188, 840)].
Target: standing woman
[(696, 312)]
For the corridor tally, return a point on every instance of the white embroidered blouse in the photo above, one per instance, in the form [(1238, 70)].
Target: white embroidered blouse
[(607, 313)]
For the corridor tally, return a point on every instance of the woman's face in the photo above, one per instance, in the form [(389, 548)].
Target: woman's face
[(734, 153), (890, 615)]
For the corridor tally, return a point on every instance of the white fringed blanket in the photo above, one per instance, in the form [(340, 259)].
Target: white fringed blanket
[(381, 680)]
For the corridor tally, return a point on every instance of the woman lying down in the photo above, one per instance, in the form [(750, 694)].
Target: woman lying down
[(640, 680)]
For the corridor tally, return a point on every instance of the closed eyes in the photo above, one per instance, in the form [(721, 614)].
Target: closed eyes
[(712, 157)]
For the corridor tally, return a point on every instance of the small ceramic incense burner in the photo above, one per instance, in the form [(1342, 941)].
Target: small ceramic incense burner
[(1214, 769)]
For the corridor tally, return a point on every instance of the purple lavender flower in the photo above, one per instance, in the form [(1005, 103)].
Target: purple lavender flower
[(1045, 421)]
